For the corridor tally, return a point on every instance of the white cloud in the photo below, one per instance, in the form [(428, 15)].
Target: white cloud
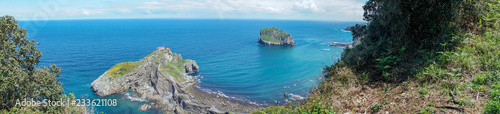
[(299, 9), (306, 4), (91, 12), (153, 2), (253, 9)]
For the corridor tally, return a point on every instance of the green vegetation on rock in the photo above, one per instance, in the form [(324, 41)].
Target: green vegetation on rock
[(267, 38), (275, 36), (174, 68), (121, 69)]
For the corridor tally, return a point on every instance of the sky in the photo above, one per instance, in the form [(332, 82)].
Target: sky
[(324, 10)]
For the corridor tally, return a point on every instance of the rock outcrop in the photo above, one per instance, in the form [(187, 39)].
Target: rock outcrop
[(191, 67), (144, 107), (161, 77), (275, 36)]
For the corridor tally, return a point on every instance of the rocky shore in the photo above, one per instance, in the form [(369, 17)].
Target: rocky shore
[(275, 36), (161, 77)]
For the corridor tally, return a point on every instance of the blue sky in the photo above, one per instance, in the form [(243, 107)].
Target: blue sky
[(325, 10)]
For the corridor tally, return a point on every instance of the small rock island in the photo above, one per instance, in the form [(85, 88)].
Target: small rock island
[(161, 77), (275, 36)]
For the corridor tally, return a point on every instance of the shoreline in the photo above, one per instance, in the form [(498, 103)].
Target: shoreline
[(219, 102)]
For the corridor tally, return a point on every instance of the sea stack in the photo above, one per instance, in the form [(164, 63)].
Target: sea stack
[(275, 36)]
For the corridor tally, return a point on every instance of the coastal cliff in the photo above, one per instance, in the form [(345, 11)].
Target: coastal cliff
[(275, 36), (161, 77)]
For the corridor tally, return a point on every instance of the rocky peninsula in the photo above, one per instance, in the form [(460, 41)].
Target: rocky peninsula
[(161, 77), (275, 36)]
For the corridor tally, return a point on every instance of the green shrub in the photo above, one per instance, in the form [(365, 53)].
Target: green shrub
[(493, 106), (427, 110), (376, 107), (121, 69)]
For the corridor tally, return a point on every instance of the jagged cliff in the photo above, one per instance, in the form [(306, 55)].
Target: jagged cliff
[(161, 77), (275, 36)]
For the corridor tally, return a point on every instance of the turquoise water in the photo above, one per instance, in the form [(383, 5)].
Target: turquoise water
[(231, 61)]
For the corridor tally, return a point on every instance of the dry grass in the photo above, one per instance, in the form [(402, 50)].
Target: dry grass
[(408, 97)]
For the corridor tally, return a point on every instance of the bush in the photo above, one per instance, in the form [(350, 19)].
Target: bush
[(20, 78), (493, 106)]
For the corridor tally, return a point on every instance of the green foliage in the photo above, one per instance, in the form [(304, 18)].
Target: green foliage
[(493, 106), (273, 110), (318, 109), (466, 102), (402, 36), (176, 70), (492, 9), (423, 91), (434, 72), (436, 42), (376, 107), (487, 79), (121, 69), (267, 38), (427, 110), (358, 32), (19, 77), (313, 107)]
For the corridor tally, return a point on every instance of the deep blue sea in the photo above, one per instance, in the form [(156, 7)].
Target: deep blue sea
[(231, 61)]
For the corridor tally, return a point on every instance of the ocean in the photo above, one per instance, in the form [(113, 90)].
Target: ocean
[(231, 61)]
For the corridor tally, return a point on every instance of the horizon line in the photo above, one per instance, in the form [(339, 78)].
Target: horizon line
[(222, 19)]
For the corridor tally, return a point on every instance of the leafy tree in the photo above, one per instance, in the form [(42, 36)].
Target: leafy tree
[(19, 76), (371, 9)]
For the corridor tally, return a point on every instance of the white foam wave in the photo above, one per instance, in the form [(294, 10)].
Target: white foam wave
[(345, 30), (131, 98), (295, 97)]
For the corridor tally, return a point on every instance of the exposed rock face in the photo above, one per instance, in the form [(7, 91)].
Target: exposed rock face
[(162, 65), (191, 66), (298, 98), (275, 36), (144, 107), (161, 77)]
